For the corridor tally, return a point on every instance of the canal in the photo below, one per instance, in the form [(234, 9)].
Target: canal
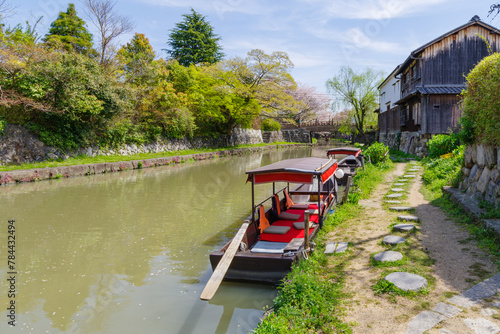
[(128, 252)]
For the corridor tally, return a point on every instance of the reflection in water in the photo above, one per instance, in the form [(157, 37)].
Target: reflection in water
[(128, 252)]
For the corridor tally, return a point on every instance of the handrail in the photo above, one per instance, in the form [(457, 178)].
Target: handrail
[(267, 199)]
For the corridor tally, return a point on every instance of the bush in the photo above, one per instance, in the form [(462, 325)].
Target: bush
[(481, 100), (441, 172), (377, 153), (268, 124), (442, 144)]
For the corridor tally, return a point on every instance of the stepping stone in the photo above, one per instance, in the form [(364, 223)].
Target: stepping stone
[(334, 247), (447, 310), (399, 184), (394, 195), (407, 281), (397, 190), (393, 240), (424, 321), (404, 227), (481, 326), (401, 208), (414, 170), (409, 218), (330, 247), (488, 312), (341, 247), (393, 202), (409, 176), (388, 256)]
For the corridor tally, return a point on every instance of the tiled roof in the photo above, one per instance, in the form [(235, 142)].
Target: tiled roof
[(445, 89)]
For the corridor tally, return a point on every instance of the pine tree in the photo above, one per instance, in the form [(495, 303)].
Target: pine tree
[(138, 60), (193, 41), (69, 31)]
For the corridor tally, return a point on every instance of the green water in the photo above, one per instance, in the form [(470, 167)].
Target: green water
[(128, 252)]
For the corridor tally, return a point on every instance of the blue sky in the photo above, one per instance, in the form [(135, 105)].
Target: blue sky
[(318, 35)]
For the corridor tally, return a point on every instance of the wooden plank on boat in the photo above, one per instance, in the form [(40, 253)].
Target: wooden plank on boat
[(221, 269), (294, 245)]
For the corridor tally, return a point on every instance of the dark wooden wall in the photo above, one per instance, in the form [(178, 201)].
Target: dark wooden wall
[(388, 121), (448, 61), (438, 115)]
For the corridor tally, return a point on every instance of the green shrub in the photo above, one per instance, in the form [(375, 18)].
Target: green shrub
[(442, 144), (445, 171), (481, 101), (269, 124), (2, 126), (377, 153)]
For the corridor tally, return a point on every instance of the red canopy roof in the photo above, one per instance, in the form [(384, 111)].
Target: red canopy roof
[(344, 150), (300, 170)]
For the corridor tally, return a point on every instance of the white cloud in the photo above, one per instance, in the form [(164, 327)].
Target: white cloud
[(218, 7), (374, 9)]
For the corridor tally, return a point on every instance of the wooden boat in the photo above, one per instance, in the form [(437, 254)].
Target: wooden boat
[(354, 159), (275, 238)]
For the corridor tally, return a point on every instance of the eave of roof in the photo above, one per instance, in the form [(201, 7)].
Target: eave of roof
[(433, 90), (311, 165), (389, 77)]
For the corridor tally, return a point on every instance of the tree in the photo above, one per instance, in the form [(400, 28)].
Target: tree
[(193, 41), (358, 91), (219, 102), (6, 10), (109, 24), (266, 78), (310, 103), (138, 60), (69, 31)]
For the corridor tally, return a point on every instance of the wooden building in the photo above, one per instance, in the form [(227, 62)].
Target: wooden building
[(433, 76), (388, 113), (431, 80)]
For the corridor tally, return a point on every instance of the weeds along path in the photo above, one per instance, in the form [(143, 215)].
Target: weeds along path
[(438, 250)]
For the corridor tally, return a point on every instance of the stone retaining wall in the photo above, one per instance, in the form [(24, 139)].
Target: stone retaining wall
[(18, 146), (293, 136), (481, 173), (411, 142), (30, 175)]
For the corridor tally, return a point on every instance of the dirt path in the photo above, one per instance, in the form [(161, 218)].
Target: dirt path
[(450, 261)]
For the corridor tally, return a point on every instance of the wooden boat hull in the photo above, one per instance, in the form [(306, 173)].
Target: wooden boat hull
[(259, 267)]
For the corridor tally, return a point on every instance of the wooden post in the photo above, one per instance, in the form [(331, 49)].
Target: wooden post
[(306, 230)]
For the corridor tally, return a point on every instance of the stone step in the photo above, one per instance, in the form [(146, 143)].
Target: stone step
[(407, 281), (409, 218), (388, 256), (393, 240), (393, 202), (404, 227), (336, 247), (398, 190), (401, 208), (399, 184), (410, 176), (394, 195)]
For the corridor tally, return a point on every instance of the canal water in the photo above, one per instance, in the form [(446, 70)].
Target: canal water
[(129, 252)]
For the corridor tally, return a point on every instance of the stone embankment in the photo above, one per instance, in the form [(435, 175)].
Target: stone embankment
[(30, 175), (20, 146)]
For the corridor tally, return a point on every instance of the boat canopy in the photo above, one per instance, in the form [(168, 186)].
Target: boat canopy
[(300, 170), (344, 150)]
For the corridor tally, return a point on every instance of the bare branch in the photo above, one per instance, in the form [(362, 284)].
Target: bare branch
[(109, 24)]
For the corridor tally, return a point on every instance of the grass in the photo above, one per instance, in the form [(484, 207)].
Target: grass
[(83, 159), (400, 156), (312, 296)]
